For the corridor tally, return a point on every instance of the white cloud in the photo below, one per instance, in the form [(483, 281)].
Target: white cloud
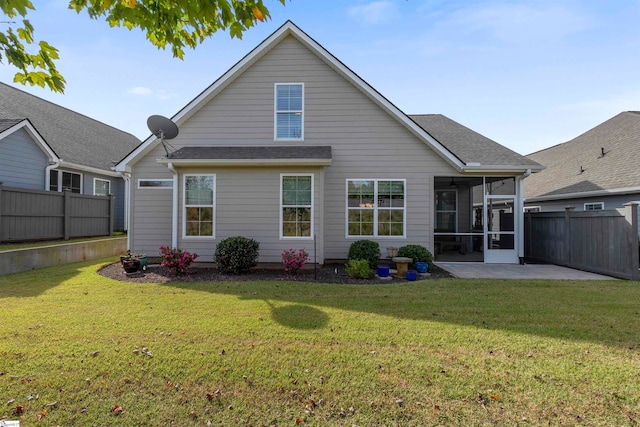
[(141, 91), (375, 12)]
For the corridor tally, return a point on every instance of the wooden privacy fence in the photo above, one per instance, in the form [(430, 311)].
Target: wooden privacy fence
[(49, 215), (603, 242)]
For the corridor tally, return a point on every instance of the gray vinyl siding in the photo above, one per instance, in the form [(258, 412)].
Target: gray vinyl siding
[(22, 162), (366, 142)]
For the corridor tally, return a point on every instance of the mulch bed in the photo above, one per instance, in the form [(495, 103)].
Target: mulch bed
[(328, 273)]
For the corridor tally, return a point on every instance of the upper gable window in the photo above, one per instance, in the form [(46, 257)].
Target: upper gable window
[(289, 114)]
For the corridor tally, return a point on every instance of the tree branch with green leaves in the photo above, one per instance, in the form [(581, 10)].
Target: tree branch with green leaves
[(170, 24)]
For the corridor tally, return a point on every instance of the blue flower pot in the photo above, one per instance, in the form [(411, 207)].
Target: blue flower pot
[(383, 270), (412, 275), (422, 267)]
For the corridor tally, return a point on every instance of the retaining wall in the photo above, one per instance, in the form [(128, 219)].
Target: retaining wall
[(15, 261)]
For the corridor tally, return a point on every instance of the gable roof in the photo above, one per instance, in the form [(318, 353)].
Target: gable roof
[(75, 138), (449, 154), (9, 126), (578, 168)]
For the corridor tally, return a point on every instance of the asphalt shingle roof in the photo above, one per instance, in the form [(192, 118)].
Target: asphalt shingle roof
[(253, 152), (74, 137), (8, 123), (618, 168), (468, 145)]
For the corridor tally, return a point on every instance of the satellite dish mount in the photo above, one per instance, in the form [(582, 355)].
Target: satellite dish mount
[(163, 128)]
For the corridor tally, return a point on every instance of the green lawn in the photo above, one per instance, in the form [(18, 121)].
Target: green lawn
[(73, 345)]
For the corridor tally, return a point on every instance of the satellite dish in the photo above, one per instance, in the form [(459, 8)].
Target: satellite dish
[(164, 129)]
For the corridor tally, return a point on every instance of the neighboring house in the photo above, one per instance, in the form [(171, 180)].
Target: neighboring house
[(596, 170), (44, 146), (292, 148)]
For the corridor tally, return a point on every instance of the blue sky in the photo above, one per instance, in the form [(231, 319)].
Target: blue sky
[(529, 74)]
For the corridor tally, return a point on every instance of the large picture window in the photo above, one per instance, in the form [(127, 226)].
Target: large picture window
[(446, 210), (296, 201), (199, 204), (376, 207), (289, 114)]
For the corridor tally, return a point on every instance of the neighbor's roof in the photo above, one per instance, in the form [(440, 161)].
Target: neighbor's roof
[(74, 137), (468, 145), (8, 123), (579, 166), (448, 153)]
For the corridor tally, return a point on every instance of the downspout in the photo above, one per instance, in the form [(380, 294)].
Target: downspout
[(520, 210), (174, 214), (126, 176), (53, 164)]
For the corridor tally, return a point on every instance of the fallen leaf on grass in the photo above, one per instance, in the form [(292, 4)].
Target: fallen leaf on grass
[(495, 397), (18, 410), (42, 414), (117, 409)]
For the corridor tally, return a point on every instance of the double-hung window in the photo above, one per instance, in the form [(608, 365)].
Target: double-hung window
[(296, 206), (199, 204), (101, 187), (289, 111), (376, 207)]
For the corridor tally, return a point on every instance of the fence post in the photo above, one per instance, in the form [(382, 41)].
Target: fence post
[(112, 202), (567, 235), (67, 213), (631, 215)]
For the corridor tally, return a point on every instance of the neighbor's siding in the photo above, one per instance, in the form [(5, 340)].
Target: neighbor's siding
[(366, 142), (22, 162)]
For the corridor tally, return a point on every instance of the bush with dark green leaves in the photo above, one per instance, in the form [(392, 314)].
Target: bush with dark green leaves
[(236, 255), (358, 268), (417, 253), (365, 249)]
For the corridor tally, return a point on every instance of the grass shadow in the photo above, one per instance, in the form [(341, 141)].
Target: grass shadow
[(600, 312), (299, 316), (36, 282)]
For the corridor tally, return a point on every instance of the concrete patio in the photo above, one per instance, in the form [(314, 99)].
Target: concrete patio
[(475, 270)]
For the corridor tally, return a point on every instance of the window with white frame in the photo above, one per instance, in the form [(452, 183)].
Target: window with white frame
[(594, 206), (446, 211), (155, 183), (376, 207), (101, 187), (65, 181), (199, 204), (296, 206), (289, 111)]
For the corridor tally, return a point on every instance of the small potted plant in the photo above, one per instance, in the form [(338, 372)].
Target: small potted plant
[(130, 263)]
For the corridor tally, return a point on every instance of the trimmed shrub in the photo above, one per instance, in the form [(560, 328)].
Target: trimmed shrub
[(365, 249), (358, 268), (417, 253), (236, 255)]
